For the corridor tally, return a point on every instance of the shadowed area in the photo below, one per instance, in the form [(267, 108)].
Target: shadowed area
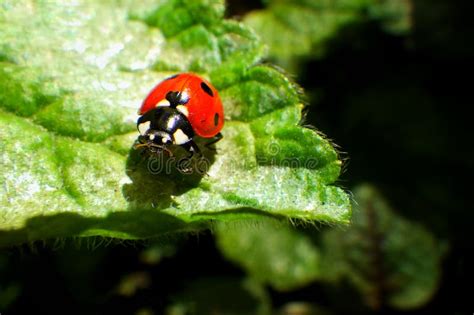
[(158, 177), (131, 224)]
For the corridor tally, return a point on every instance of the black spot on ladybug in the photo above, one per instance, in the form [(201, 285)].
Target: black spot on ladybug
[(172, 77), (206, 88), (216, 119)]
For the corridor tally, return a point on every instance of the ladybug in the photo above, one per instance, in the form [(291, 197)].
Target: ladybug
[(178, 109)]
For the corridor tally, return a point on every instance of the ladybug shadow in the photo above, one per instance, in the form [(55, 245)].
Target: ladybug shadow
[(157, 177)]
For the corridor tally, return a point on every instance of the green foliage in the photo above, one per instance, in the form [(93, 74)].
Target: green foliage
[(390, 260), (271, 252), (212, 295), (295, 29), (72, 77)]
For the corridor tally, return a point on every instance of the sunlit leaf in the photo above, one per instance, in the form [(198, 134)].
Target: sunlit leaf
[(72, 75)]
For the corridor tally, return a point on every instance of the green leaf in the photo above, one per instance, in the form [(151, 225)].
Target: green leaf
[(224, 295), (271, 252), (295, 29), (390, 260), (72, 76), (394, 15)]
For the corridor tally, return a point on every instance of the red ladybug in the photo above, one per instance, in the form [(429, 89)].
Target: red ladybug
[(178, 109)]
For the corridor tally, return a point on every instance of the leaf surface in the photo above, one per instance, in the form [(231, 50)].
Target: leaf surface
[(303, 28), (72, 75), (271, 252), (390, 260)]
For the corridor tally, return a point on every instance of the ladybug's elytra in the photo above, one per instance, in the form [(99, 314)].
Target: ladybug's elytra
[(178, 109)]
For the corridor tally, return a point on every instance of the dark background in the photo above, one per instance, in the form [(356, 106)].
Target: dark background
[(399, 106)]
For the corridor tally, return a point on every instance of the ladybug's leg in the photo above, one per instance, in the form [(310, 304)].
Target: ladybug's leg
[(192, 148), (216, 139), (152, 148), (185, 164)]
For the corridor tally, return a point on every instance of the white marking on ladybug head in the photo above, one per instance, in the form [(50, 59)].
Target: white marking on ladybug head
[(184, 96), (151, 137), (180, 137), (183, 110), (143, 127), (163, 102)]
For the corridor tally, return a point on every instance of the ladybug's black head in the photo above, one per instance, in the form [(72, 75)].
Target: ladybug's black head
[(163, 126)]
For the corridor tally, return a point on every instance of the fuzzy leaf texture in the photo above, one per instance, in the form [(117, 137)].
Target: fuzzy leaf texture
[(301, 28), (72, 76), (390, 260)]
